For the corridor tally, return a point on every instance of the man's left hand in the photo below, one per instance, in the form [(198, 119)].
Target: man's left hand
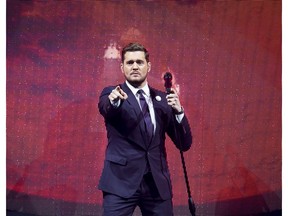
[(173, 101)]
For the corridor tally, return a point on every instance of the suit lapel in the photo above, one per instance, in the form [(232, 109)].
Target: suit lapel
[(134, 106), (131, 100)]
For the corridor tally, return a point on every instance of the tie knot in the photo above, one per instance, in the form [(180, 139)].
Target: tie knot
[(140, 92)]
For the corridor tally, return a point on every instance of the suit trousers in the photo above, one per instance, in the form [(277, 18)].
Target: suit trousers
[(146, 197)]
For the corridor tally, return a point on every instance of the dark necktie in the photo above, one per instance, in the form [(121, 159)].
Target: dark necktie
[(147, 118)]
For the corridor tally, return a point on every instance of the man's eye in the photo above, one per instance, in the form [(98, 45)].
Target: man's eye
[(138, 62)]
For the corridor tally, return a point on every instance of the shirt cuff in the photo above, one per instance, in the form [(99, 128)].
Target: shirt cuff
[(179, 117)]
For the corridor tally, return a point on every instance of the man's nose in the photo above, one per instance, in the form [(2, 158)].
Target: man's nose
[(135, 65)]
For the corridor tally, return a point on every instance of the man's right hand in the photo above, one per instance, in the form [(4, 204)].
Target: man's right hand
[(117, 94)]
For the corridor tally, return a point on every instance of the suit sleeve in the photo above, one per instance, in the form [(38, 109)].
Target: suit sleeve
[(180, 133), (106, 109)]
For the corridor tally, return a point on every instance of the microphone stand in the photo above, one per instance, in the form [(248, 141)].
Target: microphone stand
[(191, 203)]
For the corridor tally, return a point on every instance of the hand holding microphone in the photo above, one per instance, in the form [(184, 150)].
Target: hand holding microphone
[(172, 96)]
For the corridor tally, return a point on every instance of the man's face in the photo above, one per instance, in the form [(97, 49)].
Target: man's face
[(135, 68)]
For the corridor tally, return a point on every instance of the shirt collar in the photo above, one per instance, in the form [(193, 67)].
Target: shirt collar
[(135, 90)]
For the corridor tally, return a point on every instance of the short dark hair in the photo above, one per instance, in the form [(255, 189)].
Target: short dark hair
[(132, 47)]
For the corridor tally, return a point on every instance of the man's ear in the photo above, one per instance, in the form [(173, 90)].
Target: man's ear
[(121, 67), (149, 66)]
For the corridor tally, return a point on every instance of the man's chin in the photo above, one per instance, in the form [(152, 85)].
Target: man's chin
[(136, 83)]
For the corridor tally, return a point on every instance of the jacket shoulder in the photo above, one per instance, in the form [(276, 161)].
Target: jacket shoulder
[(154, 92)]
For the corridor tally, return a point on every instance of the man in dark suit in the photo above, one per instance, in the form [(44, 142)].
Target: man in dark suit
[(135, 170)]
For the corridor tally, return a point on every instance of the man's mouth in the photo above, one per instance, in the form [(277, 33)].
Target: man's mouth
[(135, 74)]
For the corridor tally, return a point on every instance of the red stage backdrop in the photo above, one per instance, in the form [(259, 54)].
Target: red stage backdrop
[(226, 60)]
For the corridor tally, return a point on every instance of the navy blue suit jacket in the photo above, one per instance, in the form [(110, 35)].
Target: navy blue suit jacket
[(128, 150)]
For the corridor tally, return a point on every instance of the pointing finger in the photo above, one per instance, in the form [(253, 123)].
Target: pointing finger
[(117, 94), (123, 94)]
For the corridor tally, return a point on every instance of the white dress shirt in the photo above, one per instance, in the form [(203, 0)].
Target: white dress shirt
[(148, 99)]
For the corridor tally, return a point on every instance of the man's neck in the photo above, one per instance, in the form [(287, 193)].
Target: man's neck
[(135, 89), (136, 85)]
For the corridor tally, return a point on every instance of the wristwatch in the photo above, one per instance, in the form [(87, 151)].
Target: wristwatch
[(181, 111)]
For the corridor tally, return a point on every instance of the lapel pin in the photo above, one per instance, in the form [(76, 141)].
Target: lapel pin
[(158, 98)]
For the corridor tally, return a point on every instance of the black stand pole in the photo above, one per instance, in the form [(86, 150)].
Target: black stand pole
[(191, 203), (168, 84)]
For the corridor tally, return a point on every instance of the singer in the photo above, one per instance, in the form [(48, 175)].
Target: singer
[(137, 118)]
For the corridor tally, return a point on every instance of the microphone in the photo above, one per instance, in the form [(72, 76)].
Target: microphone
[(168, 82)]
